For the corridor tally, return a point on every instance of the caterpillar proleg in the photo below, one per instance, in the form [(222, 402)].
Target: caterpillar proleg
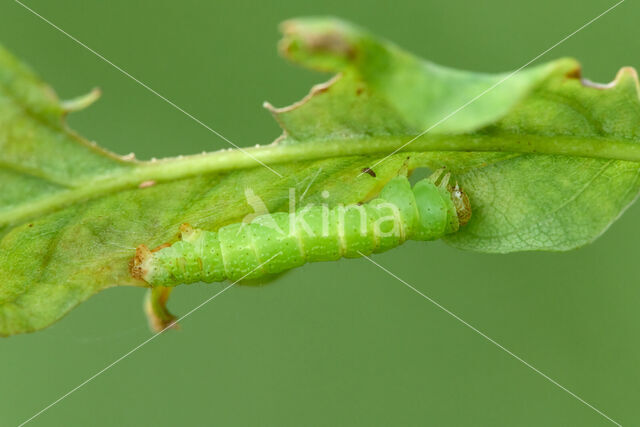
[(428, 211)]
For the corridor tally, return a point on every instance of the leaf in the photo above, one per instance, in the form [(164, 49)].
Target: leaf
[(546, 163), (546, 202)]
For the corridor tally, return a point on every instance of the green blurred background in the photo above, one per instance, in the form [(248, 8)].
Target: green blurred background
[(336, 343)]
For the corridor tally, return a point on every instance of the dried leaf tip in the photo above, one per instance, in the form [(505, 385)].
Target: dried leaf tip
[(81, 102), (624, 76)]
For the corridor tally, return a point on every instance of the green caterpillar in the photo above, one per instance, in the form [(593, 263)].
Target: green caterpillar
[(237, 251)]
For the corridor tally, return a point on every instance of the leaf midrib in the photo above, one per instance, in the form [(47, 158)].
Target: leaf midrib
[(286, 151)]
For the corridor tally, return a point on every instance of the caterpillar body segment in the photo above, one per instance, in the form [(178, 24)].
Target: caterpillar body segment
[(428, 211)]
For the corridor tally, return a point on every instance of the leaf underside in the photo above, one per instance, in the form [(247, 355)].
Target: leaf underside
[(72, 214)]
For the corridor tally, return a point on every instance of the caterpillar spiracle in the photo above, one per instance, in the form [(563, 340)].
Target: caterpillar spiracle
[(428, 211)]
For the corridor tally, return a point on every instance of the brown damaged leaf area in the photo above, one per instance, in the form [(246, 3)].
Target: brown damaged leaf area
[(325, 40), (136, 265)]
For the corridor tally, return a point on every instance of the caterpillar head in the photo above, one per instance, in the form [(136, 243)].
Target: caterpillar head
[(461, 203)]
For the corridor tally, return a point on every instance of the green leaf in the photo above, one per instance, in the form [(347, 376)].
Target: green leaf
[(520, 201), (548, 161)]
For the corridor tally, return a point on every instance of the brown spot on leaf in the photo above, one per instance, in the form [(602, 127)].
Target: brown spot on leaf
[(331, 41), (147, 184), (369, 171), (576, 73)]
